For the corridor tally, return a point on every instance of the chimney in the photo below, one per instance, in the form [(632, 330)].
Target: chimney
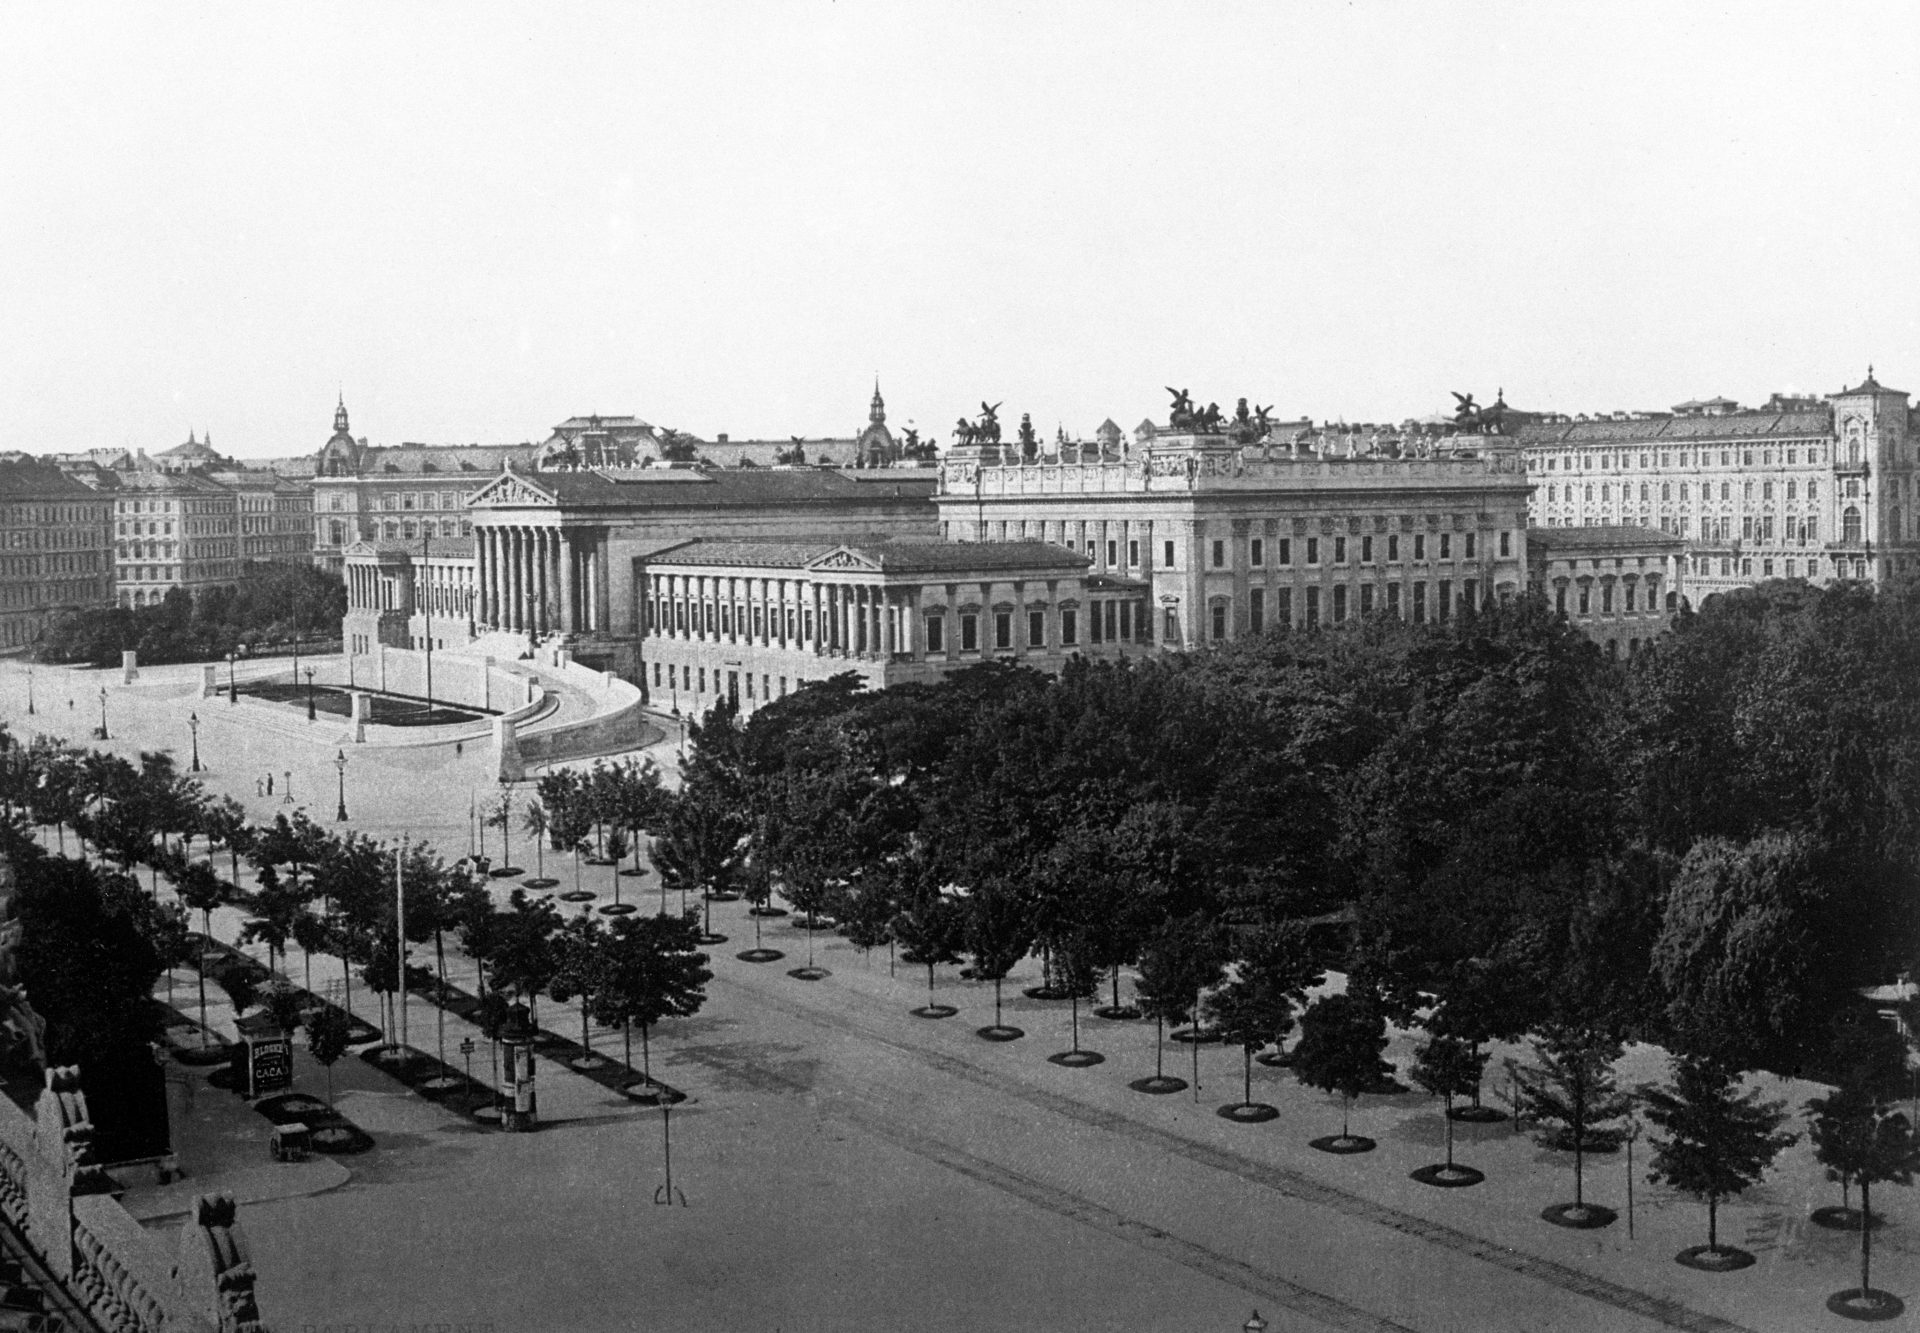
[(721, 438)]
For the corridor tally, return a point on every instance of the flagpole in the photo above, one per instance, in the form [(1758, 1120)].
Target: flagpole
[(400, 936)]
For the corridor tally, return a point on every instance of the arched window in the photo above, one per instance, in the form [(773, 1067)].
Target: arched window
[(1850, 524)]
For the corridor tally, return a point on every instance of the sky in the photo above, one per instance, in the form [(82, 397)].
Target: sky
[(475, 220)]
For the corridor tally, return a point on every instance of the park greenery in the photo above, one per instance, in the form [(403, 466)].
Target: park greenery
[(272, 604), (1495, 833)]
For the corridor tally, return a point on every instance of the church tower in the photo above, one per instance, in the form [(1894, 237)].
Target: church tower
[(876, 446)]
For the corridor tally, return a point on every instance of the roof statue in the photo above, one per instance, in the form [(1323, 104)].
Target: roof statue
[(1029, 443), (984, 431)]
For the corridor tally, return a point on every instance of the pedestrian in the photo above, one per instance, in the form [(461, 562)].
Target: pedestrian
[(259, 787), (269, 784)]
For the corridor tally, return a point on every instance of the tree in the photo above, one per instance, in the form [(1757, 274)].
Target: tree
[(998, 930), (1719, 1141), (1178, 962), (534, 821), (241, 990), (200, 889), (1862, 1139), (1341, 1038), (283, 1003), (1255, 1008), (653, 970), (500, 816), (931, 930), (1570, 1089), (579, 964), (1448, 1067), (522, 958), (1740, 949), (327, 1032)]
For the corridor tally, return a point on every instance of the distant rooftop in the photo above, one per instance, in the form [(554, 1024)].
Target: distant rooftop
[(1603, 537)]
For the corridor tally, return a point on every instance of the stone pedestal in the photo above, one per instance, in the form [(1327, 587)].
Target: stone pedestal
[(129, 667), (508, 765), (209, 681), (362, 708)]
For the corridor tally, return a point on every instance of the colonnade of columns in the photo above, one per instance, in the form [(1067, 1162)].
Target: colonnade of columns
[(828, 619), (541, 580)]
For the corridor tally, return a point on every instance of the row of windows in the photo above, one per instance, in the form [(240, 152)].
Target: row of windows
[(1682, 458), (1706, 491), (46, 514)]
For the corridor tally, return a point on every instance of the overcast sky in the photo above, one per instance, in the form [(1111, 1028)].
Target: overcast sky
[(479, 219)]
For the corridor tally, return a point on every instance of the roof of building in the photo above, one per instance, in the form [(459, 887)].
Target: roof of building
[(249, 479), (604, 423), (436, 546), (193, 451), (1662, 429), (692, 488), (1603, 537), (891, 556), (39, 481), (152, 479), (1869, 385)]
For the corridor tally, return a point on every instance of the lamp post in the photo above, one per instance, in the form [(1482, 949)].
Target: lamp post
[(193, 726), (296, 659), (30, 708), (287, 787), (309, 694), (103, 712), (340, 767), (233, 691)]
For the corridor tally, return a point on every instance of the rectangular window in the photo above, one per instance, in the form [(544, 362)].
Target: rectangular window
[(1003, 629), (1313, 550), (1283, 608), (1170, 626), (1419, 546), (1393, 598), (1110, 614), (1366, 598), (1586, 599), (1036, 629), (1506, 544), (1313, 608), (1286, 550), (1133, 555), (703, 680), (1366, 550), (969, 633), (1113, 554), (936, 628), (1339, 603), (1256, 553), (1069, 628), (1393, 548), (1339, 550), (1219, 555), (1470, 544), (1446, 546), (1446, 599), (1257, 609), (1126, 622), (1166, 555), (1470, 594), (1219, 610)]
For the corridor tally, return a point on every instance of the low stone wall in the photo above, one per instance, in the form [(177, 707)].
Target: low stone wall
[(130, 1279), (617, 723)]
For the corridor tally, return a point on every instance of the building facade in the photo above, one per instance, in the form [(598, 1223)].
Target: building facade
[(364, 493), (55, 550), (1621, 586), (172, 530), (556, 553), (753, 620), (1809, 488), (273, 515), (409, 595), (1219, 539)]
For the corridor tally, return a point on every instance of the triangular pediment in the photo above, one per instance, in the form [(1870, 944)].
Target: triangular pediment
[(845, 557), (361, 547), (510, 490)]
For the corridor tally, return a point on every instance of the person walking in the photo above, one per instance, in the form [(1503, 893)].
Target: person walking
[(269, 784)]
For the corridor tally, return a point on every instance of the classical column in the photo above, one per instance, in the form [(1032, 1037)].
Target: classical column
[(482, 565), (569, 621), (601, 583), (519, 611), (546, 581)]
